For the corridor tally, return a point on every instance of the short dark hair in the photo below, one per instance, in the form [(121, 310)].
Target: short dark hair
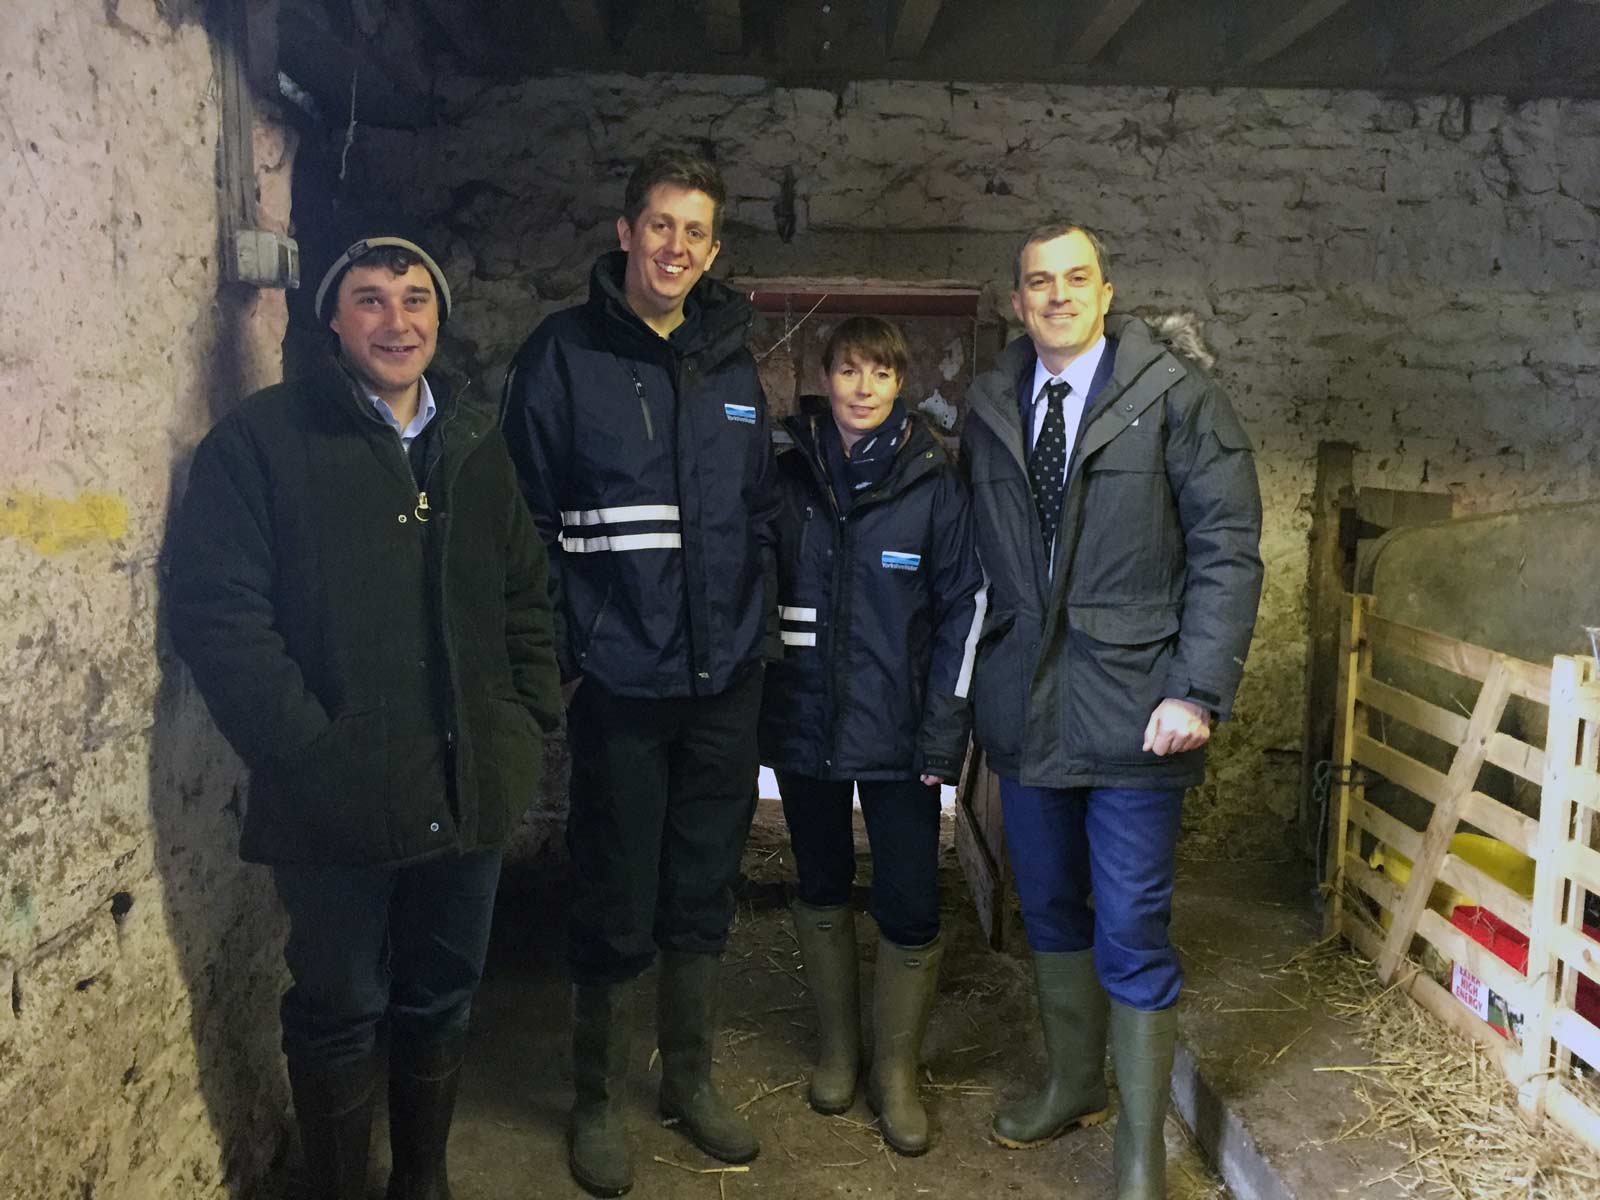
[(869, 338), (1049, 233), (397, 259), (682, 168)]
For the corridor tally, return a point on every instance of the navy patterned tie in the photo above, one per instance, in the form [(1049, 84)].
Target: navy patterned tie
[(1047, 465)]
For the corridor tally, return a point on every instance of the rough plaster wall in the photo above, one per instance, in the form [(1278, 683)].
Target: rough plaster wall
[(139, 961), (1416, 276)]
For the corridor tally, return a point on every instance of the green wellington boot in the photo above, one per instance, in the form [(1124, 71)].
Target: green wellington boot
[(685, 1025), (1141, 1051), (902, 998), (828, 948), (1073, 1010), (597, 1144)]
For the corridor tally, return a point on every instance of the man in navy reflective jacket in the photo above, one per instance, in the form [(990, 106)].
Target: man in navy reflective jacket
[(1118, 520), (639, 430)]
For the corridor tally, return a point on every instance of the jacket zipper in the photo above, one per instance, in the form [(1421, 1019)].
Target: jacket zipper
[(644, 407), (594, 625)]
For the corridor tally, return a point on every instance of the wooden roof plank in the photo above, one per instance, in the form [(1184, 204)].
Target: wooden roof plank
[(1439, 30), (912, 24), (1287, 26), (1105, 18), (588, 21), (725, 26)]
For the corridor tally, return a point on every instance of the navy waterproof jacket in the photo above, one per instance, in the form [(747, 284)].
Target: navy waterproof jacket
[(647, 464), (881, 608)]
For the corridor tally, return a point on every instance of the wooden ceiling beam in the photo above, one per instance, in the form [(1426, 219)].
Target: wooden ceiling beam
[(725, 25), (1439, 30), (1278, 26), (1092, 29), (912, 23), (588, 21)]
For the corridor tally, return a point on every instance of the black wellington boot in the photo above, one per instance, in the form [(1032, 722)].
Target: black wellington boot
[(333, 1108), (422, 1101)]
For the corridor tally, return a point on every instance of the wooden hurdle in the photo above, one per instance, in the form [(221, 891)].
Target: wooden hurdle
[(1560, 842)]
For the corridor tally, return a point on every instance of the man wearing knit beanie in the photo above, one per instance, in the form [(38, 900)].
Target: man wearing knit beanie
[(359, 591)]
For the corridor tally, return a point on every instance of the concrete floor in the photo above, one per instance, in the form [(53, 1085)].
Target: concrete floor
[(983, 1043)]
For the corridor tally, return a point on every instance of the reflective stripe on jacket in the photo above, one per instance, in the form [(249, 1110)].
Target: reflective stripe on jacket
[(647, 465)]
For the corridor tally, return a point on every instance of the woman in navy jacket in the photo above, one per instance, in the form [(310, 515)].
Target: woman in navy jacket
[(881, 601)]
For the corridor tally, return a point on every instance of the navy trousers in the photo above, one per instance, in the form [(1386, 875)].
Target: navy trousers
[(902, 818), (662, 796), (405, 943), (1118, 845)]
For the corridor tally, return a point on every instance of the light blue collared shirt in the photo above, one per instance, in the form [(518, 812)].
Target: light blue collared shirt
[(426, 409)]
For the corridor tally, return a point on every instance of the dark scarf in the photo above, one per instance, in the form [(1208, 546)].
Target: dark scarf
[(869, 461)]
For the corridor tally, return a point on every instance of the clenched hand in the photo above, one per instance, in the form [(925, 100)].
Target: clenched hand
[(1176, 726)]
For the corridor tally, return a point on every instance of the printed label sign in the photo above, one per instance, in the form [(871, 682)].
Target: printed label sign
[(745, 414), (899, 560), (1470, 990)]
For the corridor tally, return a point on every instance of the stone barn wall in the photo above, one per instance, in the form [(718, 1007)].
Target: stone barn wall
[(139, 961), (1416, 276)]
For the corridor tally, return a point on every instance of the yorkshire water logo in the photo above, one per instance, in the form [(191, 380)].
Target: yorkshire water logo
[(899, 560), (745, 414)]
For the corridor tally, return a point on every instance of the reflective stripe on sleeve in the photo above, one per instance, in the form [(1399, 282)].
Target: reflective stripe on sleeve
[(616, 516), (621, 542), (969, 651)]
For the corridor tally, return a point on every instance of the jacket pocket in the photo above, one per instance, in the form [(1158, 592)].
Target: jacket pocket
[(999, 687), (509, 768), (594, 624), (330, 796), (1117, 667)]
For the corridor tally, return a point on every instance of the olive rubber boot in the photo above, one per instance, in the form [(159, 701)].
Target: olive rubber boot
[(597, 1144), (902, 998), (333, 1108), (422, 1101), (685, 1026), (827, 939), (1141, 1052), (1073, 1010)]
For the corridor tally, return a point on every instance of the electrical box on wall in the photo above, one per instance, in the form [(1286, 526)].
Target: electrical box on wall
[(264, 259)]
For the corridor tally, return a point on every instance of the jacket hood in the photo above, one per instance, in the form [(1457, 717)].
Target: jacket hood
[(717, 318), (1140, 340)]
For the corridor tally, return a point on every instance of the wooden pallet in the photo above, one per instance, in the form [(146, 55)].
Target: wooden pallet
[(1559, 842)]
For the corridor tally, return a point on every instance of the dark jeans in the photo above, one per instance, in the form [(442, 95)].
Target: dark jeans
[(365, 943), (662, 796), (1118, 844), (902, 818)]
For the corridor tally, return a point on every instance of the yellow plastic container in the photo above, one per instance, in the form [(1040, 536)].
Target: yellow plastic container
[(1494, 858)]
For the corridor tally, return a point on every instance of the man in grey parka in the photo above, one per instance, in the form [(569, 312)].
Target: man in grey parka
[(1118, 520)]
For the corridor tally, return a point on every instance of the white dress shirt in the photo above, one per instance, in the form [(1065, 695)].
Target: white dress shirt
[(1079, 376)]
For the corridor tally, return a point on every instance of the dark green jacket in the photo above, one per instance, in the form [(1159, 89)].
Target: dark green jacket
[(1158, 569), (388, 680)]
